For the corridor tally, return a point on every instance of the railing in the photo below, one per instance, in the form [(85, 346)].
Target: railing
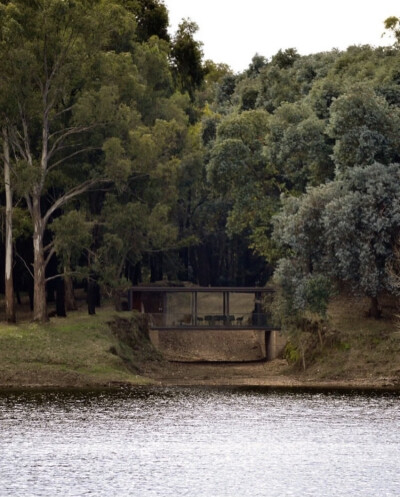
[(186, 320)]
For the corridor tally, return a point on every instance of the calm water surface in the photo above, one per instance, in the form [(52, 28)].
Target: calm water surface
[(199, 442)]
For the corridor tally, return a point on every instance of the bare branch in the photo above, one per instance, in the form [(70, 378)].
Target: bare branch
[(78, 152), (29, 203), (48, 246), (54, 277), (25, 264), (70, 273), (49, 256), (73, 37), (74, 192), (61, 112), (64, 135)]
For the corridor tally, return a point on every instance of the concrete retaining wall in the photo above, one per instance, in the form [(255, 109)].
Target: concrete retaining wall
[(216, 345)]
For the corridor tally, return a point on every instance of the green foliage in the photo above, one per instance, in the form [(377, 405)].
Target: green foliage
[(285, 58), (292, 353), (300, 224), (361, 226), (22, 224), (187, 56), (226, 89), (392, 24), (152, 20), (72, 236), (365, 128), (297, 147), (317, 292), (129, 230), (299, 292), (237, 169), (345, 230), (257, 63)]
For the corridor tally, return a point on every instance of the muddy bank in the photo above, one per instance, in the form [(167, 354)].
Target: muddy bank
[(275, 374)]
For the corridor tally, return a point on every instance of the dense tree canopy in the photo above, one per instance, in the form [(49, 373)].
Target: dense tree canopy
[(169, 166)]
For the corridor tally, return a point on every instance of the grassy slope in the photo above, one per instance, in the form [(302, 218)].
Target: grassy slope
[(362, 348), (73, 351)]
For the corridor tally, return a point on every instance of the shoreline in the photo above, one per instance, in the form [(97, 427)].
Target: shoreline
[(311, 388), (260, 375)]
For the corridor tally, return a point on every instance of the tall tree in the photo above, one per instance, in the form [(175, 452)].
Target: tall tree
[(152, 20), (9, 259), (238, 170), (52, 48), (187, 58)]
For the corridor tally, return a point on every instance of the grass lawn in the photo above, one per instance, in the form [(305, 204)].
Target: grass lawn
[(72, 351)]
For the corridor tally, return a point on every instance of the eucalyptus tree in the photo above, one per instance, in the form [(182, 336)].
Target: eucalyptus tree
[(7, 112), (9, 256), (129, 230), (54, 50), (152, 19), (72, 237), (187, 55), (239, 172)]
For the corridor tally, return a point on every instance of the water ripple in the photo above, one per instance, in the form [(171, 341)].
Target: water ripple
[(199, 442)]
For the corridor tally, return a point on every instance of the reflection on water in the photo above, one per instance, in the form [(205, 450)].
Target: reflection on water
[(199, 442)]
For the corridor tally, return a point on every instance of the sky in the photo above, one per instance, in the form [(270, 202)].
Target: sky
[(233, 31)]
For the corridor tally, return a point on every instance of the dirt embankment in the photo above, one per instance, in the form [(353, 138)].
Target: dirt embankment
[(276, 374)]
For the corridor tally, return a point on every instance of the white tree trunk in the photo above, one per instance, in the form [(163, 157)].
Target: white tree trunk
[(9, 283)]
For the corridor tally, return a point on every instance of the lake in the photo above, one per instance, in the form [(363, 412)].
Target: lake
[(199, 442)]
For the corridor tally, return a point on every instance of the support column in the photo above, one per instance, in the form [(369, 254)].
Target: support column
[(226, 307), (194, 308), (165, 309)]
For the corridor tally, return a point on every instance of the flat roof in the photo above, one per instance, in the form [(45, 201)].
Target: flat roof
[(202, 289)]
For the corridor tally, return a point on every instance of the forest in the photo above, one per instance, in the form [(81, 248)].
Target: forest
[(128, 158)]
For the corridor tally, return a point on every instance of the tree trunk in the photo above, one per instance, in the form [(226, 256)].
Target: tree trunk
[(374, 310), (9, 283), (91, 297), (39, 266), (156, 267), (117, 301), (60, 298), (204, 271), (70, 303)]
